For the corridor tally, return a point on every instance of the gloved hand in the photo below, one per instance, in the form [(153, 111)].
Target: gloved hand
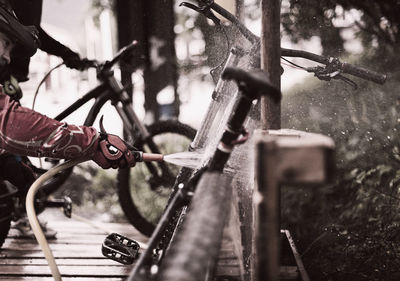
[(73, 60), (112, 152)]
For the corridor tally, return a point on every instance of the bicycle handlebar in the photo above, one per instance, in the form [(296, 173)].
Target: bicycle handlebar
[(344, 67), (364, 73), (108, 64), (254, 39), (124, 51)]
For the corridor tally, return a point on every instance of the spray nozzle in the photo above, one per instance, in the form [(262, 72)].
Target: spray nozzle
[(141, 156)]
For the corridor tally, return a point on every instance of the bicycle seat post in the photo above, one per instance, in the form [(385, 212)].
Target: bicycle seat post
[(251, 86)]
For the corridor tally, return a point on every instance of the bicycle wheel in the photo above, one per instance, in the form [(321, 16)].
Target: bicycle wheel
[(143, 195), (6, 209), (193, 253)]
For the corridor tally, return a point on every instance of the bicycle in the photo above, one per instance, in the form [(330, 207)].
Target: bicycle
[(185, 191), (155, 178)]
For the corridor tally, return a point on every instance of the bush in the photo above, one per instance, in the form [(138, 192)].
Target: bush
[(349, 230), (94, 193)]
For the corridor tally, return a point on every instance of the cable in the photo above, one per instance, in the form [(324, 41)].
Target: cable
[(32, 217), (42, 81), (292, 63)]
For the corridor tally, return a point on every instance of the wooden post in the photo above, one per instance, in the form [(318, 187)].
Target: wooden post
[(129, 26), (268, 232), (267, 265), (270, 60), (284, 156)]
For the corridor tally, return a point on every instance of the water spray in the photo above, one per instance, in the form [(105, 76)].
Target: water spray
[(187, 159)]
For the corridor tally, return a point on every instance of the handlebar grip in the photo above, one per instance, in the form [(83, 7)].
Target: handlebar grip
[(87, 63), (364, 73), (122, 52), (345, 67)]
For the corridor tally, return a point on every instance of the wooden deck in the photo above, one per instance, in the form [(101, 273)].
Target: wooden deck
[(77, 249)]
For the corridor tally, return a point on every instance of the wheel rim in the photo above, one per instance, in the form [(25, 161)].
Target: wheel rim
[(145, 205)]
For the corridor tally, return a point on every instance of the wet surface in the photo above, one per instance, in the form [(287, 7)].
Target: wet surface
[(77, 249)]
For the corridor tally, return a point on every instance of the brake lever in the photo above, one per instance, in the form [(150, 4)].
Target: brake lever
[(324, 74), (347, 81), (206, 11)]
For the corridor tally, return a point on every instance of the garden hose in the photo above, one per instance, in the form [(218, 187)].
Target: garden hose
[(32, 217)]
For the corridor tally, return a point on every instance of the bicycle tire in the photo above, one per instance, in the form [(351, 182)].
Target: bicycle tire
[(193, 253), (6, 209), (140, 214), (5, 225)]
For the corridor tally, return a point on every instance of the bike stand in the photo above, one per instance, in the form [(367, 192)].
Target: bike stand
[(120, 248), (284, 157)]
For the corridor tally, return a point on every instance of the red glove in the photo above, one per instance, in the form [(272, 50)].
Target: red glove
[(112, 152)]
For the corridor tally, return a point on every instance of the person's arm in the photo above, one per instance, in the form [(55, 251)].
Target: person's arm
[(27, 132), (54, 47)]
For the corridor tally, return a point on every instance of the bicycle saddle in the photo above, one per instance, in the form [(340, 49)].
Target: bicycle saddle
[(253, 83)]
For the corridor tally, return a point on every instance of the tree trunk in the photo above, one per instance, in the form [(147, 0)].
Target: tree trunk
[(151, 22)]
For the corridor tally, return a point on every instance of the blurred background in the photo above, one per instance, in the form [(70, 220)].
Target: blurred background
[(349, 230)]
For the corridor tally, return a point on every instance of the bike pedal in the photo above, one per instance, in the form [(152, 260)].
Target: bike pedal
[(120, 248), (65, 203), (67, 207)]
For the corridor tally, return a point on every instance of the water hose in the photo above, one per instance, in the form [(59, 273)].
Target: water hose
[(31, 212), (32, 217)]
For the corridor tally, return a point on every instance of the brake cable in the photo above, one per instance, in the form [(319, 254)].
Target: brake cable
[(42, 81), (332, 70)]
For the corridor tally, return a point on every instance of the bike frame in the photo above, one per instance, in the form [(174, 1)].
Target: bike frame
[(183, 190), (186, 180), (111, 90)]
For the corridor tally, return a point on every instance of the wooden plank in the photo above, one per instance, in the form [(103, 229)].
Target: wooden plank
[(297, 257), (67, 247), (69, 270), (42, 261), (57, 254), (41, 278), (76, 240), (288, 273), (302, 157), (70, 238), (77, 250)]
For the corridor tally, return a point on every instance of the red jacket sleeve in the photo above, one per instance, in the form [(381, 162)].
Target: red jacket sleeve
[(27, 132)]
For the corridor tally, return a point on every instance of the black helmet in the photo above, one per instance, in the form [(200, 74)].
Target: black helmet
[(25, 37)]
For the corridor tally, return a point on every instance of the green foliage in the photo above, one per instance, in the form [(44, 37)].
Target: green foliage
[(94, 193), (350, 230), (376, 22)]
